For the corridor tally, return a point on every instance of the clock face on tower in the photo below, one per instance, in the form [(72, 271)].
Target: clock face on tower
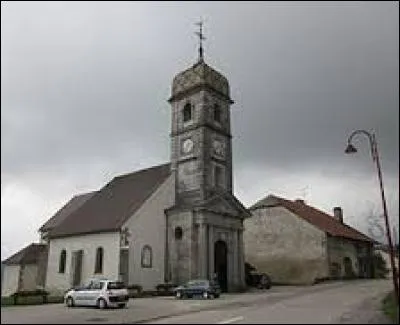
[(187, 146), (218, 148)]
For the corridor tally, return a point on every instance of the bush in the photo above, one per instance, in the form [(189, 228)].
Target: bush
[(380, 268), (390, 307)]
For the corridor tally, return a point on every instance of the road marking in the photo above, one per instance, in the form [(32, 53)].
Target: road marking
[(231, 320)]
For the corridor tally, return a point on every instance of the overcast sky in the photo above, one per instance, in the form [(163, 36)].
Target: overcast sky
[(84, 89)]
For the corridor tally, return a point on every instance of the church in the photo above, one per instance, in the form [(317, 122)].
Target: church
[(164, 224)]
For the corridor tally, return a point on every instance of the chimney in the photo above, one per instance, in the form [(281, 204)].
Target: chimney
[(338, 214)]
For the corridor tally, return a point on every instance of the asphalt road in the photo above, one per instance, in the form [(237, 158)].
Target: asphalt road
[(351, 302)]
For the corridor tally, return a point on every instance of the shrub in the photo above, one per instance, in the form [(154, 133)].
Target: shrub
[(380, 268)]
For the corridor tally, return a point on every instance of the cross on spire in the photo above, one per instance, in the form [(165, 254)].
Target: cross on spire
[(201, 38)]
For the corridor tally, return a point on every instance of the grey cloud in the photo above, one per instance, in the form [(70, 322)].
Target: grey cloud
[(85, 84)]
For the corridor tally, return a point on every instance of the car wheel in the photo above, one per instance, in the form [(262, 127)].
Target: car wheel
[(178, 295), (70, 302), (122, 306), (206, 295), (101, 303)]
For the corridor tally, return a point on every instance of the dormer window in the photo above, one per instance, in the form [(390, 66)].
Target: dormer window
[(217, 113), (187, 112)]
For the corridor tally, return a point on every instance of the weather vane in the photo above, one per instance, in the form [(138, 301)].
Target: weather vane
[(201, 38)]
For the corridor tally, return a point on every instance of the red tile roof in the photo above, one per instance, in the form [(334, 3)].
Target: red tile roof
[(314, 216)]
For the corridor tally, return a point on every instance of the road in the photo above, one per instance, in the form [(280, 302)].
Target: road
[(351, 302)]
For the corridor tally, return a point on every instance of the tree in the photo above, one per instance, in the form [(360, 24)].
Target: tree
[(380, 267)]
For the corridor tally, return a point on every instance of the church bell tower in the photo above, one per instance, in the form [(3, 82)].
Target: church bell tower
[(205, 211)]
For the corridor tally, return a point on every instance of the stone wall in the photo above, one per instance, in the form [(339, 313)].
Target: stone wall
[(10, 280), (285, 246)]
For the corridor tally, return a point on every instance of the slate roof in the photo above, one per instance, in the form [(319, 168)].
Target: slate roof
[(67, 209), (314, 216), (28, 255), (108, 208)]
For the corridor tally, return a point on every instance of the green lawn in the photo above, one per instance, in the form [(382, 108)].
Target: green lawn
[(391, 308)]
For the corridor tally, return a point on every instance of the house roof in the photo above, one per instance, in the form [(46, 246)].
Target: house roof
[(314, 216), (28, 255), (108, 208), (66, 210)]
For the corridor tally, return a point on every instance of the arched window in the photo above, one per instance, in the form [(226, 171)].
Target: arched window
[(62, 262), (98, 268), (187, 112), (147, 256), (217, 113)]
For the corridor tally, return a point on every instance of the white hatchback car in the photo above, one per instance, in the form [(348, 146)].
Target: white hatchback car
[(99, 293)]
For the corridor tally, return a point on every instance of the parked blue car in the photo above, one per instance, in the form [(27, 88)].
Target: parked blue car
[(204, 288)]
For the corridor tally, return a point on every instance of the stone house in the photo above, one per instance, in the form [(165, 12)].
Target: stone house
[(298, 244)]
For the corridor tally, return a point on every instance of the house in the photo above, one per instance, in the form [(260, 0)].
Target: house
[(167, 223), (25, 270), (298, 244)]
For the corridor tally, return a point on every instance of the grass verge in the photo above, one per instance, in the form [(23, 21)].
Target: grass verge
[(390, 307)]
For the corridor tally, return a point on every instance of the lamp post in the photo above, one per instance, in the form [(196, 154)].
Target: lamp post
[(375, 157)]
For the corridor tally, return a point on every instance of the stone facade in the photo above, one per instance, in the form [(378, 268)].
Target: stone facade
[(205, 225), (10, 280), (293, 251), (285, 246)]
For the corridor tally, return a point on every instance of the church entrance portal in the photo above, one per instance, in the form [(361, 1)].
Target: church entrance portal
[(221, 264)]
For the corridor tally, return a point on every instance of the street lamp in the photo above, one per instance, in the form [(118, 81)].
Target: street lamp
[(375, 157)]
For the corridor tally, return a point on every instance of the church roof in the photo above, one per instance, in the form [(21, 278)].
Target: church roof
[(316, 217), (66, 210), (108, 208), (197, 76), (28, 255)]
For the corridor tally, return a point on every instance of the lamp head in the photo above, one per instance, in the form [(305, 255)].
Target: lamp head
[(350, 149)]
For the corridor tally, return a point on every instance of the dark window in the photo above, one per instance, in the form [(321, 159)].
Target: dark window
[(187, 113), (62, 262), (178, 233), (217, 113), (218, 176), (116, 285), (98, 268), (147, 256), (95, 285)]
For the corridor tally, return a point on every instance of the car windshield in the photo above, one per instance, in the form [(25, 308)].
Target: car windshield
[(115, 285)]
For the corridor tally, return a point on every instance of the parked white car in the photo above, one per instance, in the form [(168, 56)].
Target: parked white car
[(99, 293)]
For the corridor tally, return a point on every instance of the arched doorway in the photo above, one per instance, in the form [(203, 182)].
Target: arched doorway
[(221, 264)]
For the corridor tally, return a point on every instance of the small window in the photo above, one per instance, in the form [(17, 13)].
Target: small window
[(96, 285), (62, 262), (147, 256), (187, 112), (178, 233), (218, 176), (217, 113), (99, 260)]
